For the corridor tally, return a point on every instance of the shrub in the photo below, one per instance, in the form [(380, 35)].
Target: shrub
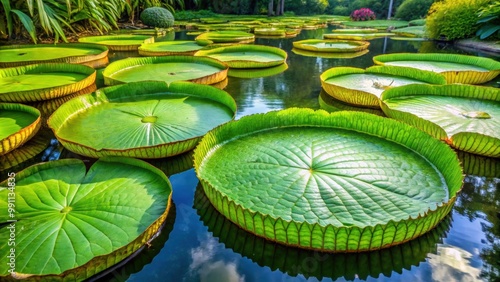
[(157, 17), (453, 19), (363, 14), (413, 9), (191, 15), (419, 22), (341, 11)]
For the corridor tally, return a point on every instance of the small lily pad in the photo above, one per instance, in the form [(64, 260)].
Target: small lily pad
[(227, 36), (167, 48), (331, 46), (18, 124), (246, 56)]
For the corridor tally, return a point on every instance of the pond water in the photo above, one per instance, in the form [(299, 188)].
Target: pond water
[(198, 244)]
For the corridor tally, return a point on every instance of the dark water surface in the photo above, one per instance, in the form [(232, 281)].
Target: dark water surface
[(198, 244)]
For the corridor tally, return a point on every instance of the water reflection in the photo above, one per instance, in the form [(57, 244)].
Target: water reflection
[(295, 261), (480, 201)]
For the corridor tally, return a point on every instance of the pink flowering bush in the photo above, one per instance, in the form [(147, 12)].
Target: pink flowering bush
[(363, 14)]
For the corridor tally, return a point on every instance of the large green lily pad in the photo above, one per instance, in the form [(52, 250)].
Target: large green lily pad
[(309, 263), (254, 73), (355, 30), (465, 116), (18, 123), (167, 48), (201, 70), (226, 36), (39, 82), (142, 119), (246, 56), (337, 46), (72, 223), (343, 182), (456, 68), (20, 55), (377, 24), (120, 42), (357, 36), (270, 31), (326, 55), (330, 104), (363, 87)]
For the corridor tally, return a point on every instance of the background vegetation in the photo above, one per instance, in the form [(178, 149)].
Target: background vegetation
[(57, 19)]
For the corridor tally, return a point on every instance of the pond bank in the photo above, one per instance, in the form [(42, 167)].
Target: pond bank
[(479, 45)]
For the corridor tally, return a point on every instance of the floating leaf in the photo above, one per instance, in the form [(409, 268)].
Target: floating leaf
[(143, 119), (72, 223), (342, 182)]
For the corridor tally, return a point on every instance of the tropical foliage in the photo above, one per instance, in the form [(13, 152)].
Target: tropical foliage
[(413, 9), (453, 19), (58, 18), (489, 21)]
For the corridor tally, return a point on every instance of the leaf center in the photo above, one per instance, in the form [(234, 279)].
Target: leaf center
[(149, 119), (476, 114), (66, 209)]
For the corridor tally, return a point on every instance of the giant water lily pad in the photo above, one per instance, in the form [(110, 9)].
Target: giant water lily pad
[(377, 24), (343, 182), (201, 70), (270, 31), (330, 104), (355, 30), (18, 123), (246, 56), (357, 36), (456, 68), (363, 87), (467, 117), (169, 48), (142, 119), (254, 73), (20, 55), (72, 223), (43, 81), (293, 261), (327, 55), (121, 42), (337, 46), (226, 36)]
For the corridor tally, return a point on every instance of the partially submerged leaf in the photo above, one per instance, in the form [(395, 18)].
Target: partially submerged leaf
[(18, 124)]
